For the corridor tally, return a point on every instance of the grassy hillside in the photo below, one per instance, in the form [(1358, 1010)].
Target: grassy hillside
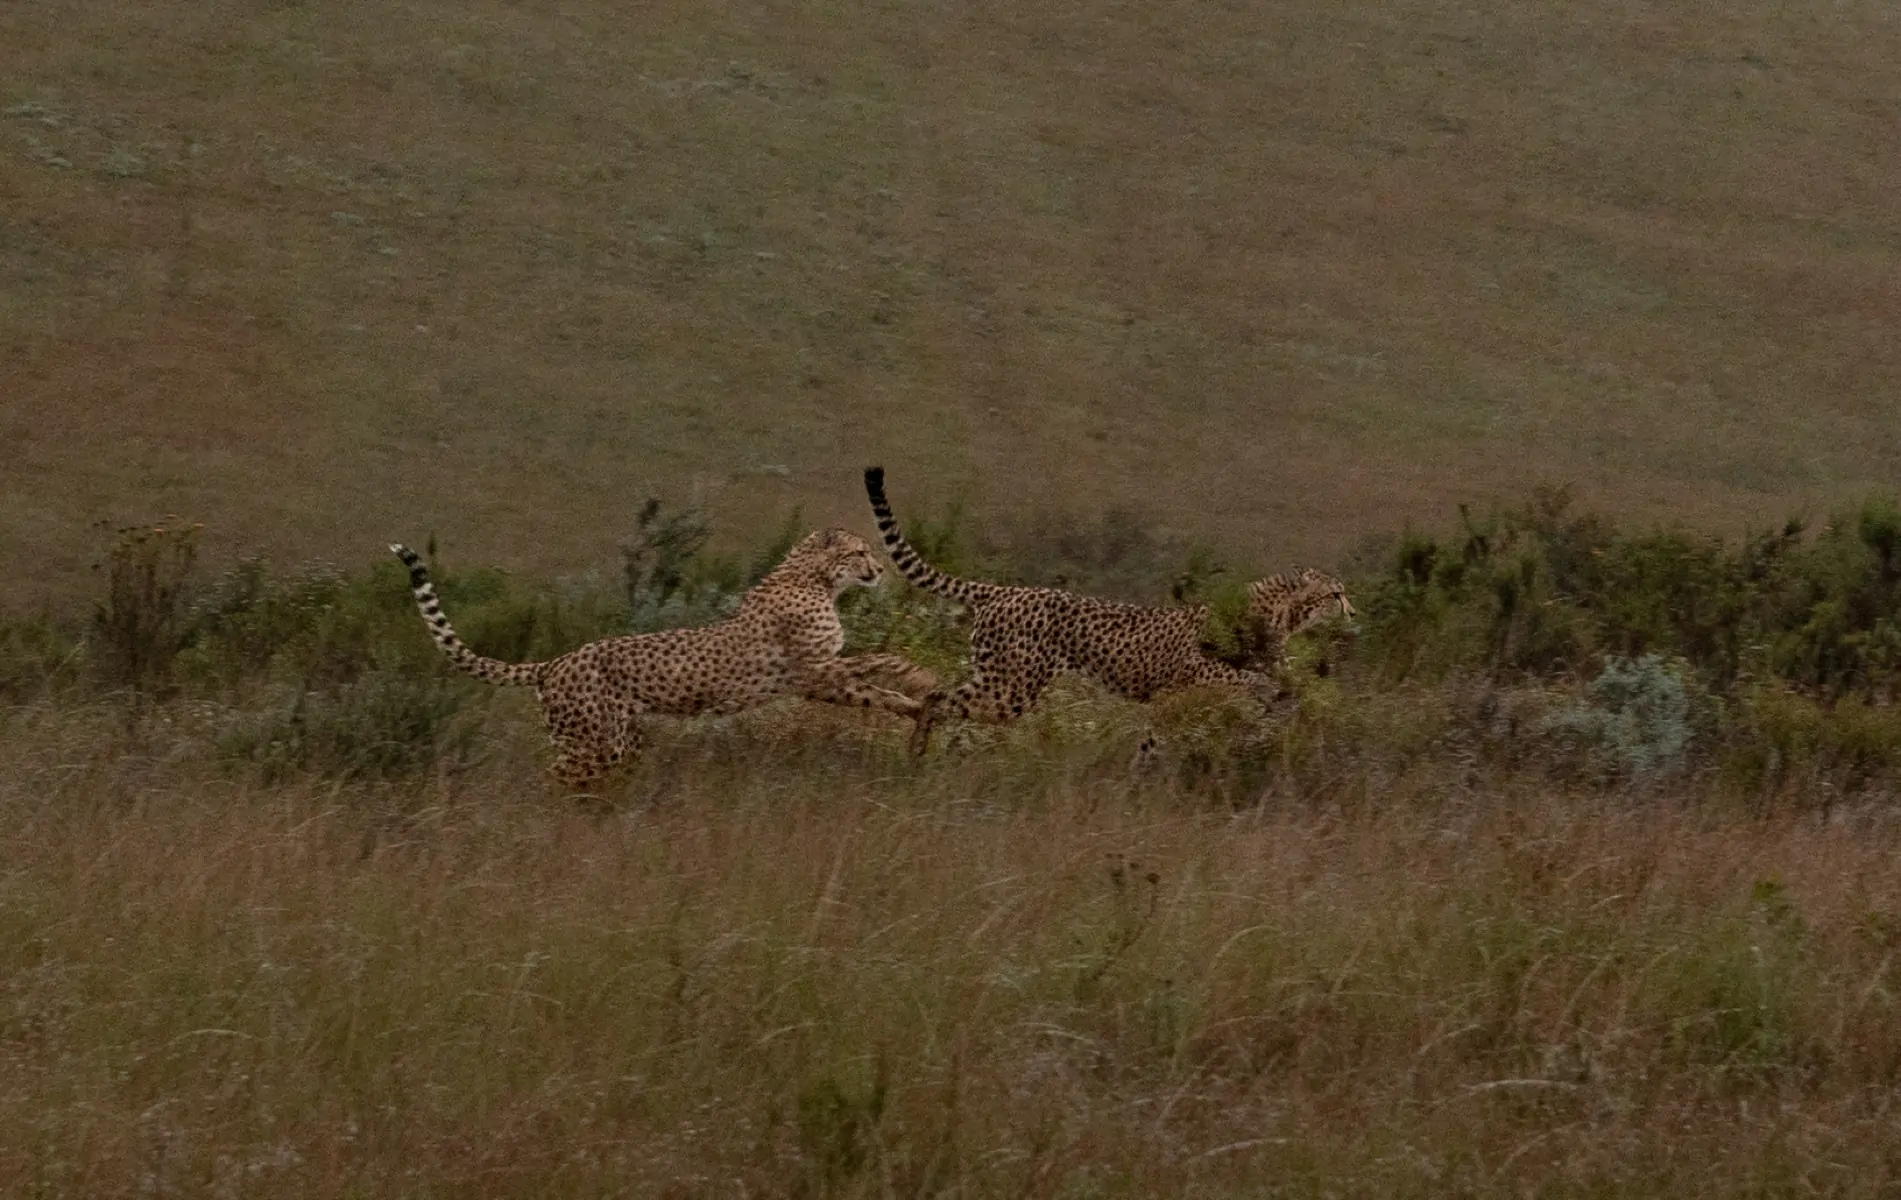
[(320, 274)]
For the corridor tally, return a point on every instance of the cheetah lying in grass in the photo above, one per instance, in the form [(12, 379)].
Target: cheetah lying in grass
[(783, 641), (1021, 637)]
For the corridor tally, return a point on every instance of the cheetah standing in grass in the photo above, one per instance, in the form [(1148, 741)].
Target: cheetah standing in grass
[(1021, 637), (783, 641)]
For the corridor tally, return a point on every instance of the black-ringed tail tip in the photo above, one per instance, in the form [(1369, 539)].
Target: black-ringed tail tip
[(874, 478)]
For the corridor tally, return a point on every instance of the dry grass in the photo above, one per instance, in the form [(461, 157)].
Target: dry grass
[(322, 274), (798, 966)]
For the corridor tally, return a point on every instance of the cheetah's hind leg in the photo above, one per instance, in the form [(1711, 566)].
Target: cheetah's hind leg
[(588, 747)]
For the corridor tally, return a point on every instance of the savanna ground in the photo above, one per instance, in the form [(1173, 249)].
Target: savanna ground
[(1576, 872)]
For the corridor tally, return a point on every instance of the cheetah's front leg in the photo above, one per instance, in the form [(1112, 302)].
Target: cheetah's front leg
[(891, 672), (844, 681), (1263, 687), (998, 692)]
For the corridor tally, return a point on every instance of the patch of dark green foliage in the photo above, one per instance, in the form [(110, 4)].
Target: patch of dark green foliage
[(1541, 591)]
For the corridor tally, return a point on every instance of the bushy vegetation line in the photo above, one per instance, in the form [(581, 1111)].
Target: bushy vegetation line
[(1541, 590), (1527, 638), (1775, 659)]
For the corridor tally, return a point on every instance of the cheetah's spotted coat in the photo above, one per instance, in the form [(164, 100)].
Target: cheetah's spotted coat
[(1021, 637), (783, 641)]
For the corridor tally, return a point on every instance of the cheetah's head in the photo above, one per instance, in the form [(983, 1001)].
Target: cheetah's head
[(1329, 591), (1300, 599), (845, 558)]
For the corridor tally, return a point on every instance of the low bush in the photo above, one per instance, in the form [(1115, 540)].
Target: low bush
[(1634, 721), (1539, 591)]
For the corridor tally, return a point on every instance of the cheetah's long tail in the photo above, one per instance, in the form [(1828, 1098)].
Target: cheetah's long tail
[(491, 670), (908, 560)]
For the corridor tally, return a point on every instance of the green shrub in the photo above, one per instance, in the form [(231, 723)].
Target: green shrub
[(772, 552), (1782, 651), (1783, 736), (1635, 723), (898, 619), (1499, 596), (1118, 555), (319, 628), (1205, 579), (143, 621), (502, 618), (1539, 591), (657, 558), (314, 626), (838, 1132), (1832, 617)]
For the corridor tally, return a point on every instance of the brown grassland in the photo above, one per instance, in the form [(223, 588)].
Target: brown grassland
[(287, 910), (802, 968), (319, 274)]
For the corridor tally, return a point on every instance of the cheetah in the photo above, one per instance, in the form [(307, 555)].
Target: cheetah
[(1021, 637), (1283, 605), (783, 641)]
